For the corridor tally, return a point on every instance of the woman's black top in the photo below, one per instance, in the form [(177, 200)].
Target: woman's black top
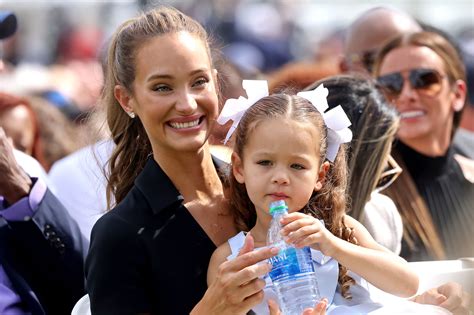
[(450, 200), (148, 255)]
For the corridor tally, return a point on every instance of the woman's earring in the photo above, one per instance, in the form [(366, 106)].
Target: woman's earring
[(131, 114)]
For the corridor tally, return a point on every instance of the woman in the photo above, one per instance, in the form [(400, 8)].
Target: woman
[(423, 76), (374, 126), (150, 253)]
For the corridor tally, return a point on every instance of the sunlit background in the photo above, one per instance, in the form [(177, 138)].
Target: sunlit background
[(257, 36)]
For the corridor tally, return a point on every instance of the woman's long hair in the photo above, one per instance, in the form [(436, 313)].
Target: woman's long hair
[(374, 124)]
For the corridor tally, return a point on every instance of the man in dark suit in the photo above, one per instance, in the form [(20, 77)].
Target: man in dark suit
[(41, 247)]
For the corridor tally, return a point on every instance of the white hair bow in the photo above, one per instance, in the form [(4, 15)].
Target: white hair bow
[(234, 109), (335, 119)]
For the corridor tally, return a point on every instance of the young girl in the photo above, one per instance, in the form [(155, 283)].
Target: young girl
[(283, 150)]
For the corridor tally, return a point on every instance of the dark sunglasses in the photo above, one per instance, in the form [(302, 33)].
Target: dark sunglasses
[(365, 58), (425, 81)]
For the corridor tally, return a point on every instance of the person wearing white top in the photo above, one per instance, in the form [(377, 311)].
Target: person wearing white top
[(79, 182)]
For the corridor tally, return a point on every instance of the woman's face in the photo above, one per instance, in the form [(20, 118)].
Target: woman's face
[(19, 126), (425, 113), (174, 92)]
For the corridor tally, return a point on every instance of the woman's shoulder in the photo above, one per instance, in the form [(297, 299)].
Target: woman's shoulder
[(111, 227), (380, 205)]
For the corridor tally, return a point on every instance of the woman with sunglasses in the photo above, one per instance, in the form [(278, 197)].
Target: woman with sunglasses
[(423, 76), (372, 169)]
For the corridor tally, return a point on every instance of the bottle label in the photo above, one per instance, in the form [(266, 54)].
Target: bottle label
[(291, 262)]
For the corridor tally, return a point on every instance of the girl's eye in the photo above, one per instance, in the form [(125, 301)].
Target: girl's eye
[(200, 82), (264, 163), (297, 166), (161, 88)]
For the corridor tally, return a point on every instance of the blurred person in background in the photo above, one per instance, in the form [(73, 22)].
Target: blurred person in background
[(41, 250), (367, 34), (364, 37), (298, 75), (423, 76), (20, 123), (329, 49), (59, 135), (8, 26), (374, 124), (77, 52), (38, 128)]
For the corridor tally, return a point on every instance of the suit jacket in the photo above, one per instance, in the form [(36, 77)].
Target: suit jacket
[(43, 258)]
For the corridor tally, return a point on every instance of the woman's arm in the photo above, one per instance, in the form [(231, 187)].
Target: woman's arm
[(234, 285)]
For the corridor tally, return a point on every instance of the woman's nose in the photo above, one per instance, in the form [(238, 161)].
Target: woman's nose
[(186, 103), (407, 90)]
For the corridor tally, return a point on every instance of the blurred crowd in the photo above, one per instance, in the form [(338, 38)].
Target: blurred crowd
[(60, 79)]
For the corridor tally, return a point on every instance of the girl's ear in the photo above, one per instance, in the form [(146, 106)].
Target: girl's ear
[(123, 97), (459, 95), (322, 176), (237, 168)]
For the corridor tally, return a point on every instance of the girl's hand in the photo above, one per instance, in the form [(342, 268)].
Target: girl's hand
[(304, 230), (237, 287), (319, 308)]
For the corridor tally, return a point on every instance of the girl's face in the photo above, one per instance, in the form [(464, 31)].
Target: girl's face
[(426, 112), (174, 92), (280, 162)]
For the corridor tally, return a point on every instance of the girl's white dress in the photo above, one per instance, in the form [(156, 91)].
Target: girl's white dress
[(327, 270)]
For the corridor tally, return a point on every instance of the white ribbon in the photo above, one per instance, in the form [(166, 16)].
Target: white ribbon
[(335, 119), (234, 109)]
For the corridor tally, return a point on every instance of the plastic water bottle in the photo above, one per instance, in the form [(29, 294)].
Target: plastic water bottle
[(292, 271)]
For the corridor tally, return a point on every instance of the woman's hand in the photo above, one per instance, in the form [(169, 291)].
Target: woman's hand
[(450, 296), (304, 230), (319, 308), (237, 287)]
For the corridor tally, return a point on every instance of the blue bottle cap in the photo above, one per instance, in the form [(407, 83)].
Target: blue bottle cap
[(278, 206)]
